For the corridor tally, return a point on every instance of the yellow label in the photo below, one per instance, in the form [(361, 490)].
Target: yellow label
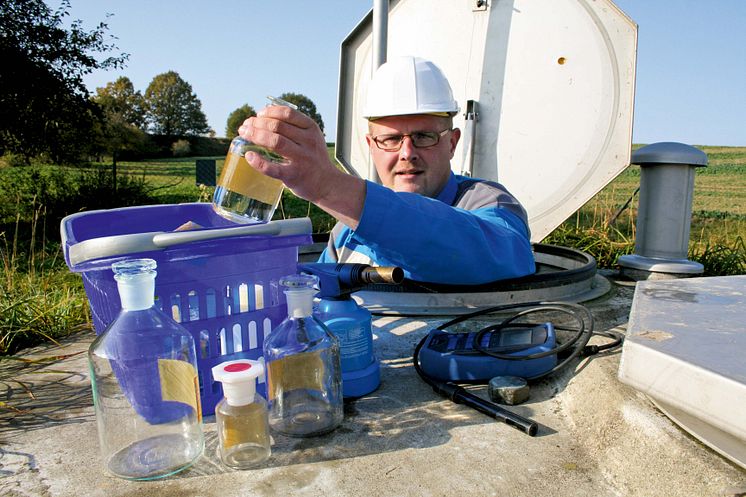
[(238, 176), (305, 370), (199, 400), (179, 383)]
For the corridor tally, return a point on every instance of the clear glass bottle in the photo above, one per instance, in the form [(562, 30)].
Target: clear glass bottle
[(145, 384), (241, 416), (304, 382), (243, 194)]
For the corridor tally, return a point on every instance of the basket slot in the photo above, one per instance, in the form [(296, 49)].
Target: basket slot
[(173, 307), (230, 340), (259, 296), (227, 293), (204, 345), (239, 344), (267, 327), (205, 303), (244, 299), (235, 299), (252, 335), (193, 306)]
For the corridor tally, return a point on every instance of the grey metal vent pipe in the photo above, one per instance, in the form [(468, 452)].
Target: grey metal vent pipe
[(664, 212)]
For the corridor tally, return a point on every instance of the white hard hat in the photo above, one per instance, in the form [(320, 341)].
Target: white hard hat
[(409, 85)]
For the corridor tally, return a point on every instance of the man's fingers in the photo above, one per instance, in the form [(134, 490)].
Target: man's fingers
[(286, 115), (264, 165), (273, 141), (282, 136)]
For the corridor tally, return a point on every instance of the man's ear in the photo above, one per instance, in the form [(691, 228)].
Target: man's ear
[(455, 137), (368, 139)]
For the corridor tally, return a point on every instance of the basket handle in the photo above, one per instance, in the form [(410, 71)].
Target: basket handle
[(283, 227)]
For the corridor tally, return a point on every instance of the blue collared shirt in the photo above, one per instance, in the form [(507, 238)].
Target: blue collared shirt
[(473, 232)]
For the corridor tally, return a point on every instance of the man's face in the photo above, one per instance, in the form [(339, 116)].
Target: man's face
[(411, 169)]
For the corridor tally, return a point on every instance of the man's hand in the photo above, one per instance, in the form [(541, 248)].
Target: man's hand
[(306, 168)]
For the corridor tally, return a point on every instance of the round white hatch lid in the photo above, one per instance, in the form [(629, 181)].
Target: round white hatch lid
[(553, 82)]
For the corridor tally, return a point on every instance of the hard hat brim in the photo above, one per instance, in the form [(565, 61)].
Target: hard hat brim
[(438, 114)]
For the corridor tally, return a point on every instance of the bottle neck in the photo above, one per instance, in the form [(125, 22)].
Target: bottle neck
[(240, 394), (300, 302), (137, 293)]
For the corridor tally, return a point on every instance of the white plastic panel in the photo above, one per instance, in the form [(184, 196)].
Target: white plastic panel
[(684, 347), (554, 82)]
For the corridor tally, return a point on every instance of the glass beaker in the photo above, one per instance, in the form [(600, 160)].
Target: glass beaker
[(243, 194)]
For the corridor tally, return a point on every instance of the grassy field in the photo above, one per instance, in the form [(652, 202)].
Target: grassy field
[(718, 210), (174, 183)]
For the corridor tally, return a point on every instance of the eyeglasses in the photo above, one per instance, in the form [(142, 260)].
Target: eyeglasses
[(420, 139)]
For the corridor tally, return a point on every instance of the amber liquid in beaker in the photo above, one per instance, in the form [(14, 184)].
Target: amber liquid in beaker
[(244, 434), (243, 194)]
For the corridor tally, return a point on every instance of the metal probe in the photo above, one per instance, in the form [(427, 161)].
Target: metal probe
[(384, 274), (457, 394)]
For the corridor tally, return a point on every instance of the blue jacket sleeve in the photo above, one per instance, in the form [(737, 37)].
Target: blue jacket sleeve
[(438, 243)]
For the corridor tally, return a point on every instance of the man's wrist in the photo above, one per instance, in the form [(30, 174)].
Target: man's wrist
[(343, 197)]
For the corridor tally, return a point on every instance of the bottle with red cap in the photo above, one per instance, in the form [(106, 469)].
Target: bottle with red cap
[(243, 428)]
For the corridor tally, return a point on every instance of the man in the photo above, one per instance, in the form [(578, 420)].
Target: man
[(437, 226)]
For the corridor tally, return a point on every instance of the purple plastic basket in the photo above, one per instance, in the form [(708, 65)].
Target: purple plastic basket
[(224, 290)]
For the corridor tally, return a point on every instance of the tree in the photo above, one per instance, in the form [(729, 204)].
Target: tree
[(43, 100), (173, 108), (123, 120), (236, 118), (305, 105), (121, 99), (115, 135)]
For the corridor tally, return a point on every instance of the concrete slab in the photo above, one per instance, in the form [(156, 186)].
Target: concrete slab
[(597, 436)]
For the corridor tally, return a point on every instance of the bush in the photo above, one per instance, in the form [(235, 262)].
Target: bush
[(13, 160), (161, 146), (28, 190), (96, 190), (181, 148), (44, 195)]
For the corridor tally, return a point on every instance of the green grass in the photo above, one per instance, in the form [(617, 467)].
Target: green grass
[(718, 207), (173, 182), (40, 299)]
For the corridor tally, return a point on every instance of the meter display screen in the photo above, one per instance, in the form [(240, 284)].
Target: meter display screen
[(504, 340), (513, 337)]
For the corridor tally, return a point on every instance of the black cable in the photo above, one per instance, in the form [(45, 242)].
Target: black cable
[(459, 395), (583, 331), (617, 340)]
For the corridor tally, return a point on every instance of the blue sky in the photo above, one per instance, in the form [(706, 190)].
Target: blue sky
[(691, 58)]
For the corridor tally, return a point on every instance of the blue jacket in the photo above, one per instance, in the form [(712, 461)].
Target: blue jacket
[(473, 232)]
